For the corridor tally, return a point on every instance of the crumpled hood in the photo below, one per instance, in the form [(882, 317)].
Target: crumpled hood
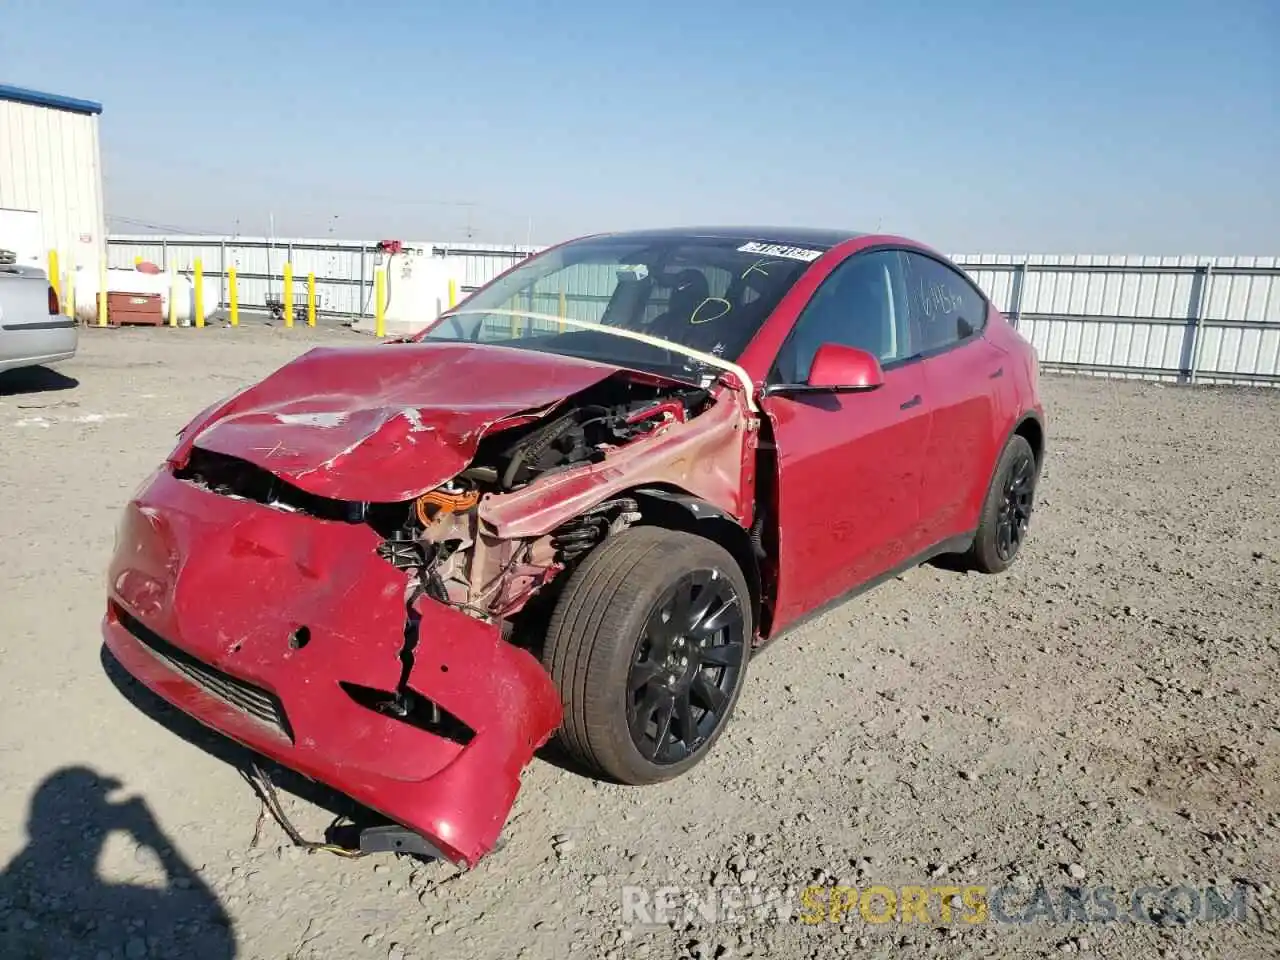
[(384, 423)]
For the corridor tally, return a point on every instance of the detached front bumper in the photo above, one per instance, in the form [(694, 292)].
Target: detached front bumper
[(276, 629)]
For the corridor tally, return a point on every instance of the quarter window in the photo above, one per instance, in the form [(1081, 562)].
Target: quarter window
[(944, 307)]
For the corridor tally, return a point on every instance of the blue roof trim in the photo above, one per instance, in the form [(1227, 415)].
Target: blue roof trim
[(36, 98)]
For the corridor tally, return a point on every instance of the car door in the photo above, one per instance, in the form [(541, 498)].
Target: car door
[(848, 464), (962, 372)]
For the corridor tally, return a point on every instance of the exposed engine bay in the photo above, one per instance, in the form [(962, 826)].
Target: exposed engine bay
[(439, 540)]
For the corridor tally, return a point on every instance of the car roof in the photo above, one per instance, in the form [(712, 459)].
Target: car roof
[(789, 236)]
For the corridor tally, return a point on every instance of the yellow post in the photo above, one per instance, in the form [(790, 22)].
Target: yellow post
[(102, 291), (55, 278), (173, 296), (380, 302), (199, 280), (69, 293), (453, 293), (563, 310), (311, 299), (287, 296), (235, 297)]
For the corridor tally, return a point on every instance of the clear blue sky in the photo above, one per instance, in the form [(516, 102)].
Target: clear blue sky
[(988, 125)]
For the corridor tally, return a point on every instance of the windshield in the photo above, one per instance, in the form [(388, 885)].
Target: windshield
[(708, 295)]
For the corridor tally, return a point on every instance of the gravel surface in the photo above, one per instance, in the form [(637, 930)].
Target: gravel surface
[(1105, 714)]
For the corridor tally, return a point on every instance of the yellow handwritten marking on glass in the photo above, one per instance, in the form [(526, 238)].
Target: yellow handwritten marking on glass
[(697, 317)]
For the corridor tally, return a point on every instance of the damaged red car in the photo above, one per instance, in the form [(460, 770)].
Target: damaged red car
[(574, 505)]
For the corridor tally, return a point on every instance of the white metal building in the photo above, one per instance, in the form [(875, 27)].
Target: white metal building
[(51, 178)]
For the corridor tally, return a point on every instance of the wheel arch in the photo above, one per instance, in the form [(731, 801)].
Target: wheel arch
[(1030, 426), (676, 509)]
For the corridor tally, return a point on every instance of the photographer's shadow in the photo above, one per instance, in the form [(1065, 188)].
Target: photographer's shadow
[(53, 903)]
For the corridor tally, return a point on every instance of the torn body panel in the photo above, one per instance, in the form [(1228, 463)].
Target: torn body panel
[(524, 538), (230, 585), (710, 456)]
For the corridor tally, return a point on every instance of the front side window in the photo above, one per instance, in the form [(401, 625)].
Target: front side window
[(944, 307), (705, 294), (858, 305)]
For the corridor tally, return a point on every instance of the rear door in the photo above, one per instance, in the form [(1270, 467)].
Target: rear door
[(963, 374), (849, 464)]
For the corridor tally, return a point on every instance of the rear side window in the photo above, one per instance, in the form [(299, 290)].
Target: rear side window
[(944, 307)]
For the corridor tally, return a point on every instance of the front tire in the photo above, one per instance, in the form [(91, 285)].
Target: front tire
[(1006, 513), (648, 646)]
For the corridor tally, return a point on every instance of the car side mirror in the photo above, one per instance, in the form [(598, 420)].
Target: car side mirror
[(837, 368), (840, 368)]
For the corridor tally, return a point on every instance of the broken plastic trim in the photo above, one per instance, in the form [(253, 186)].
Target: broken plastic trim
[(406, 704), (409, 706), (394, 838), (230, 476), (387, 838)]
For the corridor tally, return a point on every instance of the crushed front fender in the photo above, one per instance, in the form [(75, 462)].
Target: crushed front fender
[(264, 625)]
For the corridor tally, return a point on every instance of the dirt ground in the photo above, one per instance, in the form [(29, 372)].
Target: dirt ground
[(1105, 715)]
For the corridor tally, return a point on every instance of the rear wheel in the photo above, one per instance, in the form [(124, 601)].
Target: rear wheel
[(1006, 514), (648, 647)]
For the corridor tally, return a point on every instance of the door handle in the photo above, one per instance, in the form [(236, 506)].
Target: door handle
[(998, 374), (913, 402)]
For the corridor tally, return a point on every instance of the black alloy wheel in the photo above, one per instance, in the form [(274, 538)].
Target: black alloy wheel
[(1015, 505), (1006, 511), (686, 666)]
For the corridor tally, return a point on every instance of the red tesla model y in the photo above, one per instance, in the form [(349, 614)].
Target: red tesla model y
[(574, 505)]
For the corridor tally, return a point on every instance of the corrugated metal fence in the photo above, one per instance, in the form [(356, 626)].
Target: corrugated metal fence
[(1190, 319), (1185, 319)]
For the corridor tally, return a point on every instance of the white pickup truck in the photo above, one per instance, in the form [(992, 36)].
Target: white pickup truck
[(32, 329)]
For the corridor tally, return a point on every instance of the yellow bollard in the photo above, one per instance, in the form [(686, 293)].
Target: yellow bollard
[(102, 291), (55, 278), (69, 294), (234, 294), (199, 281), (563, 310), (173, 296), (380, 302), (453, 293), (287, 296), (311, 299)]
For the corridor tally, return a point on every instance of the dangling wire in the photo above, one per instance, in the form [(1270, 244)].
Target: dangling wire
[(266, 792)]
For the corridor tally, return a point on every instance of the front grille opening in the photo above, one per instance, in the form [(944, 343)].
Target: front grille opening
[(232, 477), (257, 703), (411, 708)]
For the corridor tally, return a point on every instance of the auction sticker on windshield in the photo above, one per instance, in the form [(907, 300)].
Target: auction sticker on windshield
[(781, 250)]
